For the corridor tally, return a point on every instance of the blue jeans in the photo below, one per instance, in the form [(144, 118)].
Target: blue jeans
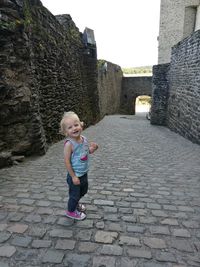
[(76, 192)]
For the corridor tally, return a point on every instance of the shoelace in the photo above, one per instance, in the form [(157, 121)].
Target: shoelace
[(78, 212)]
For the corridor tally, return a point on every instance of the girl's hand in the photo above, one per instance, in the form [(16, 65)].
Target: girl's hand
[(93, 147), (76, 180)]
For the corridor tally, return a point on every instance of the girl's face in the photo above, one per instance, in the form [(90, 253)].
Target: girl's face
[(73, 127)]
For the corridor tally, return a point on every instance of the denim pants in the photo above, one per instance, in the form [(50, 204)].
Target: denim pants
[(76, 192)]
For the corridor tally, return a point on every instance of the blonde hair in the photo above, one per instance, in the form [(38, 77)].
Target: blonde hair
[(66, 115)]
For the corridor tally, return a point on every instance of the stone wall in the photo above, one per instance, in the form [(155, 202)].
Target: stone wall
[(160, 88), (180, 82), (132, 87), (109, 87), (45, 69), (183, 114)]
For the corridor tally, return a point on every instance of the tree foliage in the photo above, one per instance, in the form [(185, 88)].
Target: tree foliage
[(138, 70)]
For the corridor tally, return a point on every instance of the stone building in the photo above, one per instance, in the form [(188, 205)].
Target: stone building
[(176, 79), (178, 19)]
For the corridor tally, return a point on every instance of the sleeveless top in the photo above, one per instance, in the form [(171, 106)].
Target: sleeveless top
[(80, 156)]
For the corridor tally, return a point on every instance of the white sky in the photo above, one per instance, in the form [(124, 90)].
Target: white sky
[(125, 30)]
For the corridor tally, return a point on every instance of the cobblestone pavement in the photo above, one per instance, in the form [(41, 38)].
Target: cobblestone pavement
[(143, 206)]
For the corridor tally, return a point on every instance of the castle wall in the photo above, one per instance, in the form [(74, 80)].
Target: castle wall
[(176, 94), (160, 91), (109, 87), (48, 67), (45, 70), (183, 114), (132, 87), (177, 21)]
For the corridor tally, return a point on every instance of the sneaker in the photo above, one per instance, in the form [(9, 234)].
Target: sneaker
[(81, 207), (76, 215)]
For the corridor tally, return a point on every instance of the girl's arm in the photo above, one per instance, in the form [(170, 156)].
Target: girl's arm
[(67, 153)]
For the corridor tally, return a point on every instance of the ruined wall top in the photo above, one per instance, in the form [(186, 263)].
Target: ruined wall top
[(45, 69), (178, 19)]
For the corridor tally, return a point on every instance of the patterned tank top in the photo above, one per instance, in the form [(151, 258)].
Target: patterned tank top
[(80, 156)]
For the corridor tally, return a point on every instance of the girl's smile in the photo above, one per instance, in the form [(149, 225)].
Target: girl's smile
[(73, 128)]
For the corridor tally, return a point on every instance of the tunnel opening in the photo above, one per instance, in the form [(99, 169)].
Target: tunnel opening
[(142, 105)]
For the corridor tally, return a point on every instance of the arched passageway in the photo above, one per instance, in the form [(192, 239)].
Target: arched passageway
[(142, 104), (133, 87)]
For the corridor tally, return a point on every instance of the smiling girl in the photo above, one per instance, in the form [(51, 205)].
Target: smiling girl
[(76, 155)]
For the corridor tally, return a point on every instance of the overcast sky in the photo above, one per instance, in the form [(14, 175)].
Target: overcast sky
[(125, 31)]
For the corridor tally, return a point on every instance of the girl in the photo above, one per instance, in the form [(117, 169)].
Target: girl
[(76, 154)]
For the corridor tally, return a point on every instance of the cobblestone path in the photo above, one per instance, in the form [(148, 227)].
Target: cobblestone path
[(143, 206)]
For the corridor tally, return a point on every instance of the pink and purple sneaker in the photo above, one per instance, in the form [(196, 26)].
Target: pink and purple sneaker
[(76, 215)]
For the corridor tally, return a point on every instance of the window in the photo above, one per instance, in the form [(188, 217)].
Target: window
[(197, 22), (189, 20)]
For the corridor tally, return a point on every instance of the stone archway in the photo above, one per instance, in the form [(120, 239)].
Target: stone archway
[(132, 87), (142, 104)]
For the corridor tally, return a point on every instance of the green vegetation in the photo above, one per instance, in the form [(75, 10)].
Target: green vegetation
[(74, 34), (100, 62), (10, 25), (18, 23), (144, 100), (27, 14), (138, 70)]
